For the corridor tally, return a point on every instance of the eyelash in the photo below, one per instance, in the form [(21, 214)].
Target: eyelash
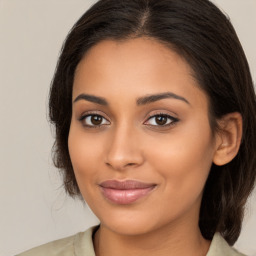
[(83, 117), (172, 120)]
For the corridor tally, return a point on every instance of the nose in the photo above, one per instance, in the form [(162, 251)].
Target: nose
[(124, 149)]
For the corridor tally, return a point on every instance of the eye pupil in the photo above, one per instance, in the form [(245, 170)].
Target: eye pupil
[(96, 120), (161, 120)]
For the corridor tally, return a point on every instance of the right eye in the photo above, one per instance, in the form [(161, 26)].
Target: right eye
[(93, 120)]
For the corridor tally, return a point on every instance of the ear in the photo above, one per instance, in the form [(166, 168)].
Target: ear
[(228, 138)]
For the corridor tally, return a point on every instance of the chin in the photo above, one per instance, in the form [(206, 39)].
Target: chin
[(128, 228), (133, 223)]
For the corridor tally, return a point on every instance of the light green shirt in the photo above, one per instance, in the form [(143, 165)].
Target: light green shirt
[(81, 245)]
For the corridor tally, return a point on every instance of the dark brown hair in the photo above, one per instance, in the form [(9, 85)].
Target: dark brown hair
[(204, 36)]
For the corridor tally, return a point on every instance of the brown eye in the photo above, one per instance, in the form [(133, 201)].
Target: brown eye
[(94, 120), (161, 120)]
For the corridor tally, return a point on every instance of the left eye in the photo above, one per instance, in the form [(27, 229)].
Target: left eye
[(94, 120), (161, 120)]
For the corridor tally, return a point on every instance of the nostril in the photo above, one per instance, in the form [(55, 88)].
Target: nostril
[(120, 165), (129, 164)]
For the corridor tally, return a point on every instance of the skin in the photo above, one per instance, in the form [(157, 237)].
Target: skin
[(130, 144)]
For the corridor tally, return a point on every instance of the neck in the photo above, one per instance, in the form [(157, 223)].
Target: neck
[(175, 240)]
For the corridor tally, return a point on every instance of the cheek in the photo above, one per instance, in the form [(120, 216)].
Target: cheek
[(184, 158), (84, 153), (82, 150)]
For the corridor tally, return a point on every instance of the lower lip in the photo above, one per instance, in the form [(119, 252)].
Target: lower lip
[(122, 196)]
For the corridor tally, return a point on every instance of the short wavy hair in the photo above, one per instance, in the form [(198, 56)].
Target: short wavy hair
[(198, 31)]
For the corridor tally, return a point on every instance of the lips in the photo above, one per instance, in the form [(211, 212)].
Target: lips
[(125, 192)]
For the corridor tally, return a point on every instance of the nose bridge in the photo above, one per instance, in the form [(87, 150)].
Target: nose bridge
[(123, 147)]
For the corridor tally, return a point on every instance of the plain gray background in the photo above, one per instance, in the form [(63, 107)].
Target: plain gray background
[(33, 206)]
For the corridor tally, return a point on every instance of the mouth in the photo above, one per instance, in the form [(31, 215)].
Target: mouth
[(125, 192)]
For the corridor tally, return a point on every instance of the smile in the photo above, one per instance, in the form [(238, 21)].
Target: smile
[(125, 192)]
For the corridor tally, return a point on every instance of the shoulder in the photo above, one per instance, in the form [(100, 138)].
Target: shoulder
[(220, 247), (79, 244), (59, 247)]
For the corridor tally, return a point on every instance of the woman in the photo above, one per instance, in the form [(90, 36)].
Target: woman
[(155, 118)]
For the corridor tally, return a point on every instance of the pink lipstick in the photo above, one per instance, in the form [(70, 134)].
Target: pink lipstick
[(125, 192)]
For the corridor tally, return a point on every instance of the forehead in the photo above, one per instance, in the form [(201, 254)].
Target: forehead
[(138, 66), (139, 54)]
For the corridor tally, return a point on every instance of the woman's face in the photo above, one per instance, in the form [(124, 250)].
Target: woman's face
[(140, 141)]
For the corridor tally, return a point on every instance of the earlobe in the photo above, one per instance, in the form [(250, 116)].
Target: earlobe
[(228, 138)]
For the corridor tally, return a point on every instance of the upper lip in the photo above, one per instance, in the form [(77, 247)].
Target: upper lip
[(125, 185)]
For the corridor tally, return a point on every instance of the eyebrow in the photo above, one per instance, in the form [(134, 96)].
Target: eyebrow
[(91, 98), (155, 97), (140, 101)]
